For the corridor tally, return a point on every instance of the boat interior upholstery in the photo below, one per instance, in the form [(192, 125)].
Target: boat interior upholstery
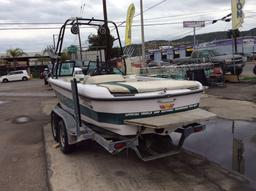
[(119, 84)]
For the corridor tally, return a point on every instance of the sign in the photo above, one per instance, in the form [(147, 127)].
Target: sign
[(128, 30), (237, 13), (72, 49), (192, 24)]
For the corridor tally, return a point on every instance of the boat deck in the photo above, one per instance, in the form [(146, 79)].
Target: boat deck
[(172, 121)]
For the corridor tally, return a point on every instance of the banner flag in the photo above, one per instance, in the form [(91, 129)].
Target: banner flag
[(128, 30), (237, 13)]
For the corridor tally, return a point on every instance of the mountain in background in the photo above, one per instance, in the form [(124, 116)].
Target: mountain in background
[(188, 40)]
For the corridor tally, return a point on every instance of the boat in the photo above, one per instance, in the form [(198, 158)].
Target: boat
[(109, 98)]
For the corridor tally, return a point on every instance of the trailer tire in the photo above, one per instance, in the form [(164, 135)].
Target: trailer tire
[(54, 126), (65, 147)]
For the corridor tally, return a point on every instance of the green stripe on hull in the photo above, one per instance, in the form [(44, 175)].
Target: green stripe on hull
[(131, 89), (118, 119)]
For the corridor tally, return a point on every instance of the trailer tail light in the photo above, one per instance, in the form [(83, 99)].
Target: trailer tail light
[(119, 146), (198, 128)]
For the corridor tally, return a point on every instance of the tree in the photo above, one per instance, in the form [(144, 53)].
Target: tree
[(49, 51), (65, 55), (97, 42), (14, 54)]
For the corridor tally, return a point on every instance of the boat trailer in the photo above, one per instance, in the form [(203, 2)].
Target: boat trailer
[(68, 129)]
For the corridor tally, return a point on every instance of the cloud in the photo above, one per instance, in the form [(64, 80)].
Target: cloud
[(60, 10)]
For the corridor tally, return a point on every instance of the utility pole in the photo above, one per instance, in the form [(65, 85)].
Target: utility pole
[(142, 32), (194, 25), (105, 11), (194, 30), (54, 40), (107, 34)]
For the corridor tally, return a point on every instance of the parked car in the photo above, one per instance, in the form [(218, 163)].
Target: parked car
[(15, 76), (230, 63)]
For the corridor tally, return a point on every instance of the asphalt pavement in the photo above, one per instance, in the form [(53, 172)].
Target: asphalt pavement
[(22, 159)]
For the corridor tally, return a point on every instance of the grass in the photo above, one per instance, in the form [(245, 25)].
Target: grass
[(247, 78)]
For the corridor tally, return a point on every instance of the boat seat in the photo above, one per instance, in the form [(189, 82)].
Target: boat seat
[(103, 79), (120, 87)]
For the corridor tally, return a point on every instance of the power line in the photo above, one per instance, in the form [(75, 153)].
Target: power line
[(155, 5), (55, 28), (134, 25), (82, 7), (152, 7), (190, 15), (50, 28), (28, 23), (153, 18)]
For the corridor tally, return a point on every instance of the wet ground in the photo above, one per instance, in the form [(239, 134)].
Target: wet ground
[(232, 148), (92, 168), (24, 107)]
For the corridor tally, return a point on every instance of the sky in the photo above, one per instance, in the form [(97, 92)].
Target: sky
[(57, 11)]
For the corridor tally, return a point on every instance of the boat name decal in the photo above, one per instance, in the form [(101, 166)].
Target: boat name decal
[(154, 113)]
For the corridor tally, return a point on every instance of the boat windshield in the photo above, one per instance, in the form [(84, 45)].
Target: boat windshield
[(66, 68)]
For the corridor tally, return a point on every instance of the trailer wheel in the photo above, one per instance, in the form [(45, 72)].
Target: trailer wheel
[(65, 147), (54, 126)]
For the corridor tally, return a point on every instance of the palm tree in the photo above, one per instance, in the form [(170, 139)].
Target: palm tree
[(14, 54)]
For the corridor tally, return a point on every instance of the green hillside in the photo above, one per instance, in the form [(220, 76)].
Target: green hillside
[(188, 40)]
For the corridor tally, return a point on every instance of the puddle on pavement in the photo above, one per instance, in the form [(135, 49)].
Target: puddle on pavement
[(232, 148), (22, 120)]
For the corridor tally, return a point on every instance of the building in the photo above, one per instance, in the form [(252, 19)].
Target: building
[(168, 53), (245, 45), (32, 63)]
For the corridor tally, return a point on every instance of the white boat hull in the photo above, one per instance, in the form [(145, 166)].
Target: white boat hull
[(111, 113)]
